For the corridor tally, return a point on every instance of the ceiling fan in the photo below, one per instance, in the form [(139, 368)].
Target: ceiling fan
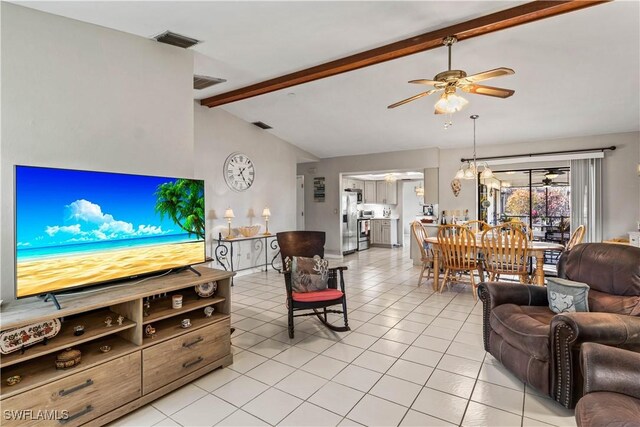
[(549, 182), (450, 80), (553, 173)]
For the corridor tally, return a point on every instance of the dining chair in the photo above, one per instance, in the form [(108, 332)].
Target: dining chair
[(520, 226), (459, 254), (505, 252), (476, 225), (426, 253), (576, 238), (309, 244)]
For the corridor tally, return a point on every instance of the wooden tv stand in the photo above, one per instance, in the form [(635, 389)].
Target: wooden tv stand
[(137, 369)]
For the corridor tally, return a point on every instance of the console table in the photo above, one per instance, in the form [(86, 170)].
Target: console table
[(259, 243)]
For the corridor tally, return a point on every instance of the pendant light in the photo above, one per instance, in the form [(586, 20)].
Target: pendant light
[(469, 170)]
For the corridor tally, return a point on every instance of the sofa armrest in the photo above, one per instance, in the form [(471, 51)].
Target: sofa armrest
[(569, 331), (603, 328), (498, 293), (493, 294), (610, 369)]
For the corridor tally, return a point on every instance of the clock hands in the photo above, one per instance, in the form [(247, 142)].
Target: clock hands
[(241, 175)]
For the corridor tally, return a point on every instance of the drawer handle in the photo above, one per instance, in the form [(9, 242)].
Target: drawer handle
[(191, 344), (86, 410), (64, 392), (195, 362)]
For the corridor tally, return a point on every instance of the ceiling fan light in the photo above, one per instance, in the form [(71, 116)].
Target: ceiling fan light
[(551, 175), (450, 103)]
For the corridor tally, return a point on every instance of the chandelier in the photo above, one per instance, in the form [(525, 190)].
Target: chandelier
[(470, 169), (390, 177)]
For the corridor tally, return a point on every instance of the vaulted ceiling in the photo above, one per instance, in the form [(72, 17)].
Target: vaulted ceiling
[(576, 74)]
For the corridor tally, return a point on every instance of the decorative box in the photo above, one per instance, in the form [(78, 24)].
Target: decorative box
[(68, 358)]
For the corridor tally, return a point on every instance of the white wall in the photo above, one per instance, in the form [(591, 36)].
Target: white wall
[(218, 134), (620, 181), (411, 205), (324, 216), (76, 95), (80, 96)]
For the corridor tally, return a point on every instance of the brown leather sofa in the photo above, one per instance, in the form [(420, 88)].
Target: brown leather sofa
[(611, 387), (541, 347)]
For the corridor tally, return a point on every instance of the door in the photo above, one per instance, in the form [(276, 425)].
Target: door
[(300, 202)]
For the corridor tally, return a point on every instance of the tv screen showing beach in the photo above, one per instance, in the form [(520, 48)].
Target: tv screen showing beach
[(77, 228)]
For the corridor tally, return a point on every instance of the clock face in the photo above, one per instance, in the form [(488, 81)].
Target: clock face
[(239, 172)]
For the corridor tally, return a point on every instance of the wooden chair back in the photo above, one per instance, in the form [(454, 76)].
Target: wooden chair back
[(420, 234), (576, 238), (458, 247), (519, 225), (301, 243), (505, 250), (476, 226)]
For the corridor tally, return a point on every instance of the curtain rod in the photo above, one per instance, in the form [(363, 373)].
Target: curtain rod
[(513, 156)]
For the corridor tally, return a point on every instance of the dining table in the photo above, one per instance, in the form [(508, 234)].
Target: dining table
[(535, 249)]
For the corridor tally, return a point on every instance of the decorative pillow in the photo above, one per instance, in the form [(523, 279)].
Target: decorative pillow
[(309, 274), (567, 296)]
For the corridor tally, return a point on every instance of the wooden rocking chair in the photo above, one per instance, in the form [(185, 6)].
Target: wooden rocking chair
[(308, 244)]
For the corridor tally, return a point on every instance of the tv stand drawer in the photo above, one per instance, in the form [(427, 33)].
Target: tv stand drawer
[(78, 398), (165, 362)]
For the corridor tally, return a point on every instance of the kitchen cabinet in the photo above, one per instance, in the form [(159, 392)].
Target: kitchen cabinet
[(386, 193), (369, 192), (353, 184), (384, 232)]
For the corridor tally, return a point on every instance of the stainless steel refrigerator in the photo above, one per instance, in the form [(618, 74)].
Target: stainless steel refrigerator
[(349, 222)]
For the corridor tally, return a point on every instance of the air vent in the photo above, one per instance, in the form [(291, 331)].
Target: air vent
[(203, 82), (262, 125), (176, 40)]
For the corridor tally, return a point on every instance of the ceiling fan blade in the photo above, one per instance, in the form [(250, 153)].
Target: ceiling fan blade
[(498, 92), (413, 98), (486, 75), (424, 82)]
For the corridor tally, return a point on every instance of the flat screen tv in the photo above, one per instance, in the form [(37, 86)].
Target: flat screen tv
[(78, 228)]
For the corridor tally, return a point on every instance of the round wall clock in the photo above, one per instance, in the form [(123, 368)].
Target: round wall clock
[(239, 171)]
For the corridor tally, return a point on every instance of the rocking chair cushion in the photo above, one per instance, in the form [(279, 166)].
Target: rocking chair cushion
[(323, 295)]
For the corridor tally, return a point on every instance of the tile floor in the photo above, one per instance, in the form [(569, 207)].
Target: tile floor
[(412, 358)]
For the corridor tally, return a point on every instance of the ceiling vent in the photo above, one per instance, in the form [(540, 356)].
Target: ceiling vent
[(176, 40), (262, 125), (203, 82)]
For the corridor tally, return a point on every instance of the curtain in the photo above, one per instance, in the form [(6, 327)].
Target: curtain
[(586, 197)]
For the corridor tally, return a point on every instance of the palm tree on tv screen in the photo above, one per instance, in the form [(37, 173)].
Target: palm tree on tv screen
[(183, 202)]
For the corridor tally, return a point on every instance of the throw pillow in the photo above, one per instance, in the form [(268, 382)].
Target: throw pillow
[(567, 296), (309, 274)]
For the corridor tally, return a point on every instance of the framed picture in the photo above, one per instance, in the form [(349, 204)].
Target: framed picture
[(318, 189)]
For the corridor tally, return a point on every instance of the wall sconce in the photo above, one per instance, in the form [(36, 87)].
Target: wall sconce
[(266, 213), (228, 215)]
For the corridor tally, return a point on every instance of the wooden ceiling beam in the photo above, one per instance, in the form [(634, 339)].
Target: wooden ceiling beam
[(518, 15)]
